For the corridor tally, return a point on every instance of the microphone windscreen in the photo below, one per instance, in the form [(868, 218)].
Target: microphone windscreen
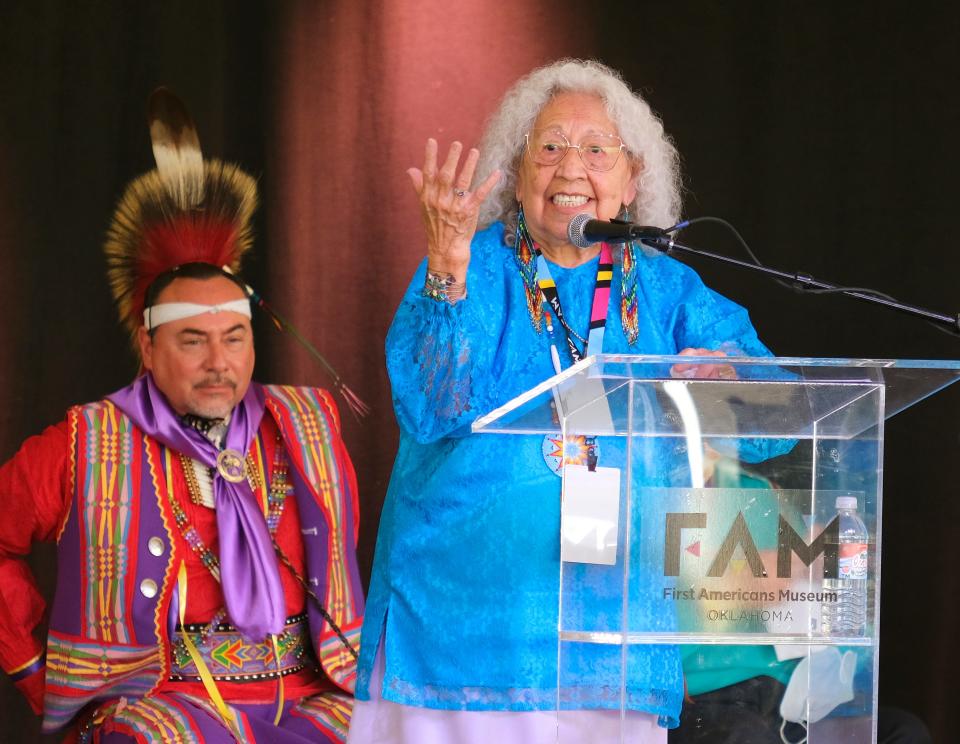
[(576, 231)]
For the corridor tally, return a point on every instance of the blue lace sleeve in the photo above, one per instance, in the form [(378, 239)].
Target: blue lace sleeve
[(705, 319), (440, 357)]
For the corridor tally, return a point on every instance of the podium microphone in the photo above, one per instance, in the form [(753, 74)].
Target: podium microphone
[(583, 231)]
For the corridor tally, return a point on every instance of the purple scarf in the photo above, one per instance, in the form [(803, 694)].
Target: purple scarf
[(249, 576)]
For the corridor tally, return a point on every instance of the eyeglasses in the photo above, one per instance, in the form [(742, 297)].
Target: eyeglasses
[(599, 152)]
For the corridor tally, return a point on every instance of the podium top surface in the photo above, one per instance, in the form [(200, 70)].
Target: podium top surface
[(648, 395)]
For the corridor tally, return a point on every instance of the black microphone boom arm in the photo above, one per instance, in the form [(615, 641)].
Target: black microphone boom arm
[(667, 244)]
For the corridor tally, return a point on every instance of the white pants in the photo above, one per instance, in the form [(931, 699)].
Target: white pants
[(379, 721)]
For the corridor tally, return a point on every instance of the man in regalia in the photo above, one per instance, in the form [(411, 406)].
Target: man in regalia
[(206, 525)]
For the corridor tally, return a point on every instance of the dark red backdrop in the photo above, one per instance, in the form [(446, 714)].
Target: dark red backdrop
[(826, 133)]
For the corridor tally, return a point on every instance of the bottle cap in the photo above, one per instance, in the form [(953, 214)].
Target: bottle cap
[(846, 502)]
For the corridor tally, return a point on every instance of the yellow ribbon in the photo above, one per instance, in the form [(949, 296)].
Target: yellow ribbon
[(209, 683), (280, 695)]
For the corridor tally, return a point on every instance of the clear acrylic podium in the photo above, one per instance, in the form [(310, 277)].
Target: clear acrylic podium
[(723, 539)]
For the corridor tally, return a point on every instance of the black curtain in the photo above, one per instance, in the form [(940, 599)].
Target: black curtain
[(74, 78)]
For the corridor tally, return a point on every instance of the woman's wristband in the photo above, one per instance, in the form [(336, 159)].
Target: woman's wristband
[(443, 287)]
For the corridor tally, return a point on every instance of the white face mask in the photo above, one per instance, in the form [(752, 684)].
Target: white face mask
[(822, 681)]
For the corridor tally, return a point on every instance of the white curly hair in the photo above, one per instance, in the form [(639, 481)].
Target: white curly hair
[(658, 181)]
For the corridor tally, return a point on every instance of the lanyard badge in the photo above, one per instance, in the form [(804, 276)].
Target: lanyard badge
[(590, 508), (577, 449)]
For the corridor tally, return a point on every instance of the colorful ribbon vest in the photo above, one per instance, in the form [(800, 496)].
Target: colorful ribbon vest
[(117, 556)]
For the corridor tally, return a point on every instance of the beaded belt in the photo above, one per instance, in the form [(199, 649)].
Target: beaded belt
[(230, 657)]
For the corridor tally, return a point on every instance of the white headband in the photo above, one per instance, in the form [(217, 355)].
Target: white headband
[(166, 312)]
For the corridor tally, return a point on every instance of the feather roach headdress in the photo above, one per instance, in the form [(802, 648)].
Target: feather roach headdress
[(185, 211)]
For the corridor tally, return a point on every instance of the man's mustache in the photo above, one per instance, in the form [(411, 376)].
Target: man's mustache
[(217, 381)]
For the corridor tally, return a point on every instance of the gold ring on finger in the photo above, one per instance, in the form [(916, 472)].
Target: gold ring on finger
[(459, 192)]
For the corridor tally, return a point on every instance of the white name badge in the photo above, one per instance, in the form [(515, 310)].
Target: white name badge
[(590, 515)]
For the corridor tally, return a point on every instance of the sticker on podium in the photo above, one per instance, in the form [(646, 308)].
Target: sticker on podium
[(589, 517)]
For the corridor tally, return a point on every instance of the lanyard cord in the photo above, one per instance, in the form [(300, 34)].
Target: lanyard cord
[(599, 308), (598, 320)]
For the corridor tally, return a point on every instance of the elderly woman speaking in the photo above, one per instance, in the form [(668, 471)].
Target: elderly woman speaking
[(460, 636)]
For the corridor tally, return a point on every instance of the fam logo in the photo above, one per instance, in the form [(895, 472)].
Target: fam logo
[(789, 544)]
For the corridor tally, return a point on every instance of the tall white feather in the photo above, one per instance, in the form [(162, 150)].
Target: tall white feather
[(176, 148)]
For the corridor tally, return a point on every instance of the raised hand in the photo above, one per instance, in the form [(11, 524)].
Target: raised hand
[(449, 210)]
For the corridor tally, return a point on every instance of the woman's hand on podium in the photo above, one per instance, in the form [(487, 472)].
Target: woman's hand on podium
[(703, 371)]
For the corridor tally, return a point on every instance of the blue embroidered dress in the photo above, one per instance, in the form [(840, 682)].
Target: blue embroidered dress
[(466, 575)]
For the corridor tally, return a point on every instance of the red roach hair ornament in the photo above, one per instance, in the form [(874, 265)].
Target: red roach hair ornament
[(186, 210)]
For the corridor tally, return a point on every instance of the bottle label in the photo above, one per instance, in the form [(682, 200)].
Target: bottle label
[(852, 561)]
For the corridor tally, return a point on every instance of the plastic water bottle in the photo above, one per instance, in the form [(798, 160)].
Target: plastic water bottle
[(847, 616)]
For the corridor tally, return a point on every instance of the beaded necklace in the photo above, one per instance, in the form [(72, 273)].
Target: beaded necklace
[(280, 488), (526, 254)]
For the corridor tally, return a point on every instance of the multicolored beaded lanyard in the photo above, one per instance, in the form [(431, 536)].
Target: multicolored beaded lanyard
[(598, 311), (527, 257), (556, 451)]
